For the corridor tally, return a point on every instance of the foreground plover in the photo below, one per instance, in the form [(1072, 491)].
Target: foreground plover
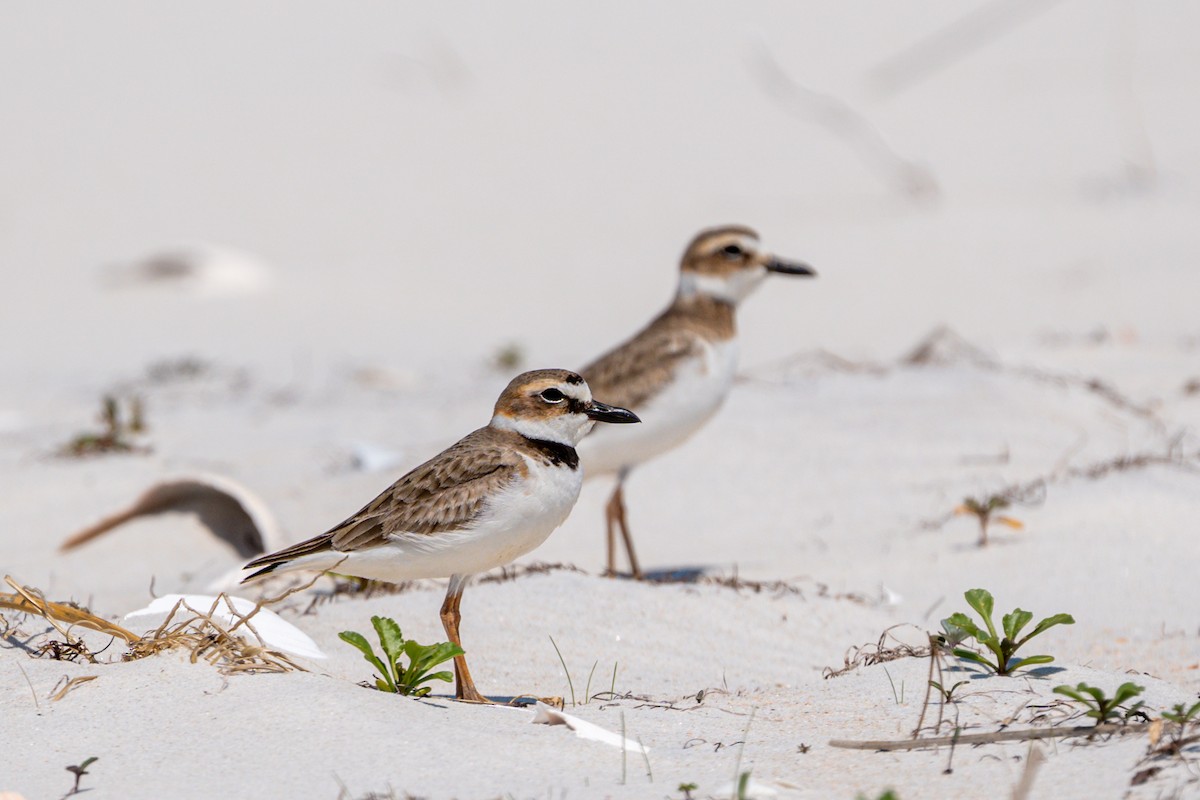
[(676, 372), (493, 496)]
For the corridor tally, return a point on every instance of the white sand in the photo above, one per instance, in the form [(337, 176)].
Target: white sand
[(426, 186)]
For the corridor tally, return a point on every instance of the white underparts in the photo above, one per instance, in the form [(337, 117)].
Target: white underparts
[(678, 410)]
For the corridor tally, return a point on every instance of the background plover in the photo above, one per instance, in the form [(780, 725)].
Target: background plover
[(677, 370)]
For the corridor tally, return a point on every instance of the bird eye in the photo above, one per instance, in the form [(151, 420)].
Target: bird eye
[(553, 396), (732, 251)]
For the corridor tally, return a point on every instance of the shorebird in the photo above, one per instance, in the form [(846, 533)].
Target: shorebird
[(676, 371), (493, 496)]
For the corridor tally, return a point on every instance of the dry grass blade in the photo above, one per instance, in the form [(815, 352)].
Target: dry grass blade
[(31, 602), (206, 638), (1032, 764), (71, 684), (514, 571)]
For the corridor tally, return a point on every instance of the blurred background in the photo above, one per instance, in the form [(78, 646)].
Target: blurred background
[(306, 186), (305, 245)]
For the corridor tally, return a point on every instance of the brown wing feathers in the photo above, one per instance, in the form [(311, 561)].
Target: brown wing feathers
[(445, 493), (635, 371)]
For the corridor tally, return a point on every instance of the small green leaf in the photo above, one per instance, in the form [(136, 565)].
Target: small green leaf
[(1067, 691), (390, 637), (1181, 714), (1126, 691), (360, 642), (971, 655), (1025, 662), (440, 676), (1014, 622), (959, 621), (1047, 623), (981, 600)]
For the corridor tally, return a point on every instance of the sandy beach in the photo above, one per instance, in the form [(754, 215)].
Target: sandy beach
[(309, 250)]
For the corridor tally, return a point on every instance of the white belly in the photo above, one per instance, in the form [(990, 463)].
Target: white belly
[(668, 418), (516, 521)]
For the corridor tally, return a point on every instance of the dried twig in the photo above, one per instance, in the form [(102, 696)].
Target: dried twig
[(878, 653), (1026, 734)]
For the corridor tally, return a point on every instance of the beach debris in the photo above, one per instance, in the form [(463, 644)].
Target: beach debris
[(227, 614), (68, 684), (229, 510), (879, 652), (31, 601), (943, 346), (1009, 735), (545, 715), (202, 269), (211, 634), (117, 435)]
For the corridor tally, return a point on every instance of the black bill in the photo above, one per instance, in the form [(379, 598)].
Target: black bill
[(605, 413), (790, 267)]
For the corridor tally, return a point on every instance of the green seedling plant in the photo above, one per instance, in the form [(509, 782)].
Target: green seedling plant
[(959, 627), (1181, 714), (394, 675), (984, 510), (947, 694), (79, 770), (1100, 707), (1178, 736)]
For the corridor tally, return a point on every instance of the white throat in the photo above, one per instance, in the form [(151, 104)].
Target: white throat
[(732, 288), (567, 429)]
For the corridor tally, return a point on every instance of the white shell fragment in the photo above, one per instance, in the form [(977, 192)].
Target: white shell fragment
[(275, 633), (545, 715)]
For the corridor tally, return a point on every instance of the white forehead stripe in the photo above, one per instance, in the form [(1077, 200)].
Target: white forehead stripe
[(576, 391)]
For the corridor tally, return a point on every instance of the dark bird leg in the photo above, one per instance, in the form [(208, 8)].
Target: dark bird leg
[(614, 517), (464, 687)]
